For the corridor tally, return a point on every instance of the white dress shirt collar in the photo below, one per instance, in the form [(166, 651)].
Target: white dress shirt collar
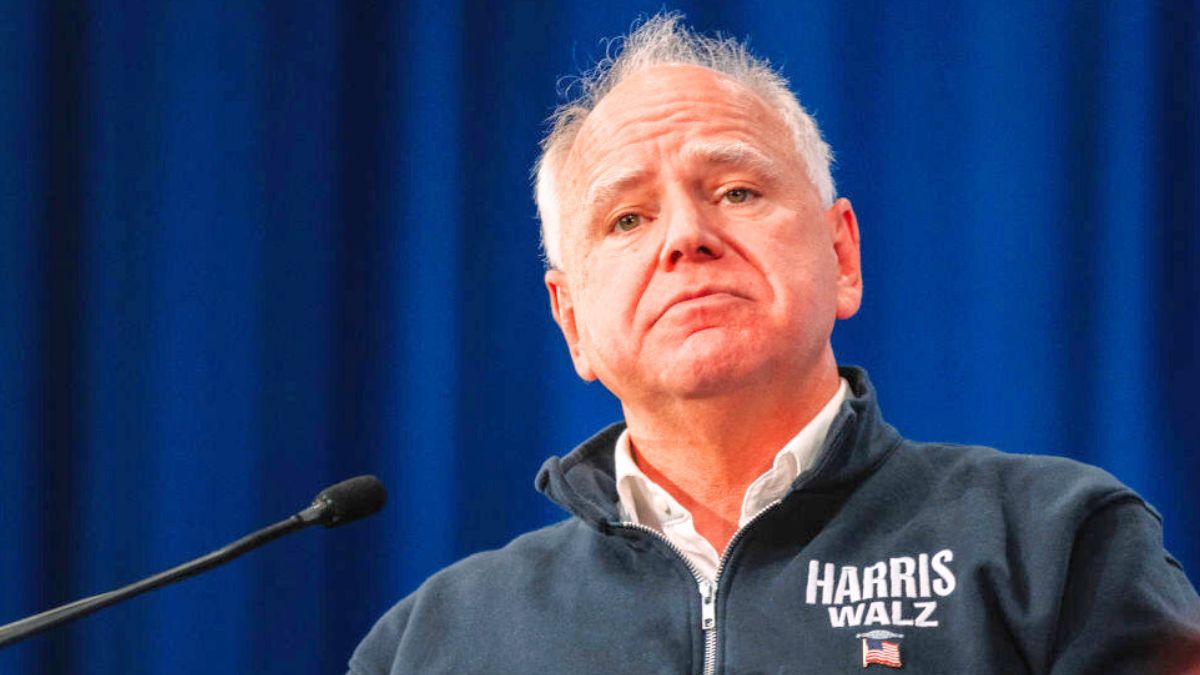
[(644, 502)]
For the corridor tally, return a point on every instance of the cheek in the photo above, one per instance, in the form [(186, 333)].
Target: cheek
[(603, 309), (615, 281), (806, 283)]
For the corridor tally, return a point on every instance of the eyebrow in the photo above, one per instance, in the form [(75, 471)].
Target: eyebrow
[(732, 153), (722, 153), (611, 184)]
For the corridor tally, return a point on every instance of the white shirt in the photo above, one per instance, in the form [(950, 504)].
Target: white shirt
[(644, 502)]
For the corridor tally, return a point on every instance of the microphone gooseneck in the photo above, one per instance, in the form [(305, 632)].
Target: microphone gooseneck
[(336, 505)]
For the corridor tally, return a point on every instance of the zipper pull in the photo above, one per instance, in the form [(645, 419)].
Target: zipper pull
[(708, 605)]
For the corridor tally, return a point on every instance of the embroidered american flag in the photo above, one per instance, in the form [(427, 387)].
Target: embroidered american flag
[(883, 652)]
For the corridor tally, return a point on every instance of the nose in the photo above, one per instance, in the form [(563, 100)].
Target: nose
[(691, 235)]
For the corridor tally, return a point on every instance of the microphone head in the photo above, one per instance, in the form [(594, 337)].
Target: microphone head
[(350, 500)]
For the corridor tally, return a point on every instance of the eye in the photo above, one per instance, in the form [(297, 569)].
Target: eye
[(628, 222), (737, 195)]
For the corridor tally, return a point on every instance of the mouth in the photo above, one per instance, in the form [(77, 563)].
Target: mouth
[(698, 297)]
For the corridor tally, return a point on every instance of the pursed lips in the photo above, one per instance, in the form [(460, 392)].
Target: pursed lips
[(696, 294)]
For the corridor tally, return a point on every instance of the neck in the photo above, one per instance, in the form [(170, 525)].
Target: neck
[(706, 452)]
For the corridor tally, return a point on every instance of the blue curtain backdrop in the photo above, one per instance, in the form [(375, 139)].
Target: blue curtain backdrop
[(249, 249)]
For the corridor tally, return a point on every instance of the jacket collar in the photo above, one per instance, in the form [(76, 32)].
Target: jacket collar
[(859, 440)]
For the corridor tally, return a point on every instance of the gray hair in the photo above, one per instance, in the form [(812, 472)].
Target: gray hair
[(663, 40)]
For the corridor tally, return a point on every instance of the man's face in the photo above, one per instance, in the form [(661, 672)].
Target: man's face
[(697, 258)]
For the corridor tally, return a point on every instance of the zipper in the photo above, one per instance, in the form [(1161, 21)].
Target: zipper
[(708, 589)]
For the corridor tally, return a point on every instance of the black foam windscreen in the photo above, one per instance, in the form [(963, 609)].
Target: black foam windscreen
[(350, 500)]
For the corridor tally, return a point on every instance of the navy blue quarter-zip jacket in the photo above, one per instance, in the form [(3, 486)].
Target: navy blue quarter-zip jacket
[(929, 558)]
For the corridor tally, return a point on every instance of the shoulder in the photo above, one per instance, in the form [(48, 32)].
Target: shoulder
[(475, 585), (1037, 484), (1050, 544), (526, 559), (1024, 512)]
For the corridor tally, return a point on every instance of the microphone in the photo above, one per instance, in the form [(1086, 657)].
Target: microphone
[(346, 502), (335, 505)]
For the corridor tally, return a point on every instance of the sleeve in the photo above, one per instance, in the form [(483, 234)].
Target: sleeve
[(1127, 606)]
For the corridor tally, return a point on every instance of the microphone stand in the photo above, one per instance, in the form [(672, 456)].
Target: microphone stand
[(19, 630)]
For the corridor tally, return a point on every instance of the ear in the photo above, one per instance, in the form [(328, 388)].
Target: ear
[(563, 310), (844, 226)]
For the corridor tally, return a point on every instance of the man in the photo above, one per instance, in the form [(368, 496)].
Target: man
[(754, 513)]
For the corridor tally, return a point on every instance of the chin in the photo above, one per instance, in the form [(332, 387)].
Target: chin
[(705, 367)]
